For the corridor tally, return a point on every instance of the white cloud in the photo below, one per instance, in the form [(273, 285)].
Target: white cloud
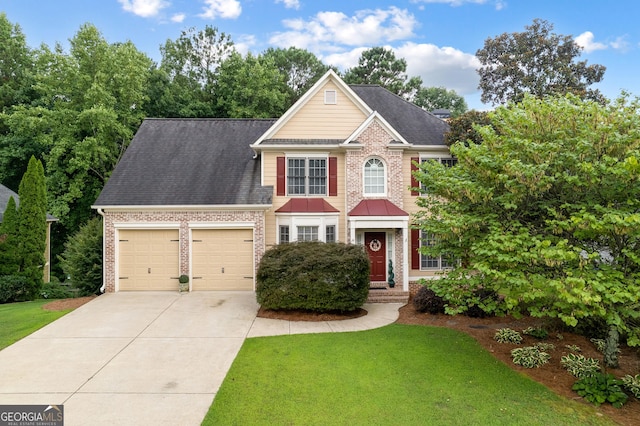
[(437, 66), (244, 43), (178, 17), (144, 8), (441, 66), (290, 4), (228, 9), (499, 4), (366, 27), (585, 40)]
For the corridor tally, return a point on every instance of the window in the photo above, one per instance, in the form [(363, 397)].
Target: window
[(307, 176), (292, 227), (307, 233), (330, 97), (330, 234), (374, 177), (445, 161), (428, 262), (284, 234)]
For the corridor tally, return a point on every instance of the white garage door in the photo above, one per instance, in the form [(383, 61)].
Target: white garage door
[(222, 259), (148, 259)]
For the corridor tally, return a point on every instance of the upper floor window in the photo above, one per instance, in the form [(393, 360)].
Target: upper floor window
[(306, 176), (445, 161), (374, 177)]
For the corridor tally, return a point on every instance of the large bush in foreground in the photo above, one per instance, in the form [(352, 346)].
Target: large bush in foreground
[(313, 276), (82, 257)]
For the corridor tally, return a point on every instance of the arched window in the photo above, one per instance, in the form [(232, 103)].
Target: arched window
[(374, 177)]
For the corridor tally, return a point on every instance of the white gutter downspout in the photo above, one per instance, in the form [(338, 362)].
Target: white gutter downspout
[(104, 283)]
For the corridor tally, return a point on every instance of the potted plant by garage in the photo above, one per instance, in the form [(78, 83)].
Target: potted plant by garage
[(184, 283)]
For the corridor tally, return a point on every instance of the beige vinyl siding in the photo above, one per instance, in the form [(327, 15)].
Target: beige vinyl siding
[(269, 169), (315, 120)]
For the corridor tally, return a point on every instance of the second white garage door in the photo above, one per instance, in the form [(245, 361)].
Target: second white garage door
[(222, 259)]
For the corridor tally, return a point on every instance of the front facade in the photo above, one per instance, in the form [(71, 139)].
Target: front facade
[(206, 198)]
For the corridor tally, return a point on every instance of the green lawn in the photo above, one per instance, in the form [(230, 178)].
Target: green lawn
[(18, 320), (395, 375)]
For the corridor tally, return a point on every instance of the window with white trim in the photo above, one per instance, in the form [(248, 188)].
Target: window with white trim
[(374, 177), (307, 227), (429, 262), (307, 176), (307, 233)]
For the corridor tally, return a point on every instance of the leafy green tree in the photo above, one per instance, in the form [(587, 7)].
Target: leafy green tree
[(16, 88), (250, 87), (432, 98), (9, 257), (300, 67), (535, 61), (82, 257), (463, 127), (89, 108), (379, 65), (184, 84), (16, 66), (545, 211), (32, 226)]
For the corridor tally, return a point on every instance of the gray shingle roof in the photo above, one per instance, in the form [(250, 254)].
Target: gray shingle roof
[(5, 194), (189, 162), (416, 125)]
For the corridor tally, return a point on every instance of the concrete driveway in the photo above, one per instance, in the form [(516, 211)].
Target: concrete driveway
[(131, 358)]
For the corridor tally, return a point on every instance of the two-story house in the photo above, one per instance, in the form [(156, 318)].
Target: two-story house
[(207, 197)]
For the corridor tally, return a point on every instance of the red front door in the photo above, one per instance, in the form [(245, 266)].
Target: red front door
[(375, 242)]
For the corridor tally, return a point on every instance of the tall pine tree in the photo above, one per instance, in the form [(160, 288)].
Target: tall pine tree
[(32, 226)]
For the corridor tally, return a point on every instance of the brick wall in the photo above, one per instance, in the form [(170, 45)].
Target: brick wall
[(183, 219)]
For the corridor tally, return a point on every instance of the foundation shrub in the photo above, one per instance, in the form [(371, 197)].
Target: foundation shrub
[(14, 288), (426, 300), (313, 276)]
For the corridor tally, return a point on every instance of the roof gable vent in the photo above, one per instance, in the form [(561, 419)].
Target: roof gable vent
[(330, 97)]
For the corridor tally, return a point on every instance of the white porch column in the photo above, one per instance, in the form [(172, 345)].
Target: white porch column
[(405, 256)]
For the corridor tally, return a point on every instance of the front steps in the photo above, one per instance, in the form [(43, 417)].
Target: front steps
[(388, 295)]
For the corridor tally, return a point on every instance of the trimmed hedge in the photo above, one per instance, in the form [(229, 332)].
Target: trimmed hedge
[(313, 276), (14, 288)]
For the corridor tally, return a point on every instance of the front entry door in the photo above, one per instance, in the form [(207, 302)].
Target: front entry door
[(375, 242)]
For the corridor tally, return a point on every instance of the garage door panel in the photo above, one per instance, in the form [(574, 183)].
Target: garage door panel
[(222, 259), (148, 259)]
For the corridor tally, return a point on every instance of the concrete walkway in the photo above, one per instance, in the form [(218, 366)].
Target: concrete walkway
[(153, 358)]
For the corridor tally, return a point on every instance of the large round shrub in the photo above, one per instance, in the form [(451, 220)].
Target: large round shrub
[(313, 276), (14, 288)]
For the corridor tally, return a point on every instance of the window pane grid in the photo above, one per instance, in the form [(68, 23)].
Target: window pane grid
[(296, 176), (330, 234), (374, 177), (307, 233), (428, 262), (317, 176), (284, 234)]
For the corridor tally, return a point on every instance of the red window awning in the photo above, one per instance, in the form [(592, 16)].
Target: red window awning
[(379, 207)]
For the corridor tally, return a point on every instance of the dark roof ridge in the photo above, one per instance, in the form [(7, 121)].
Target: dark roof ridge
[(207, 119)]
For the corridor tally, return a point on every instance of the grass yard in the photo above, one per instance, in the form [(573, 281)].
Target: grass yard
[(18, 320), (395, 375)]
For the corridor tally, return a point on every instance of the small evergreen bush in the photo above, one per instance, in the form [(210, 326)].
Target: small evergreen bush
[(313, 276), (507, 335), (600, 388), (14, 288), (580, 366), (56, 290), (426, 300)]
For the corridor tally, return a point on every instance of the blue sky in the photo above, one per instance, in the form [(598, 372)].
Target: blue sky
[(438, 38)]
